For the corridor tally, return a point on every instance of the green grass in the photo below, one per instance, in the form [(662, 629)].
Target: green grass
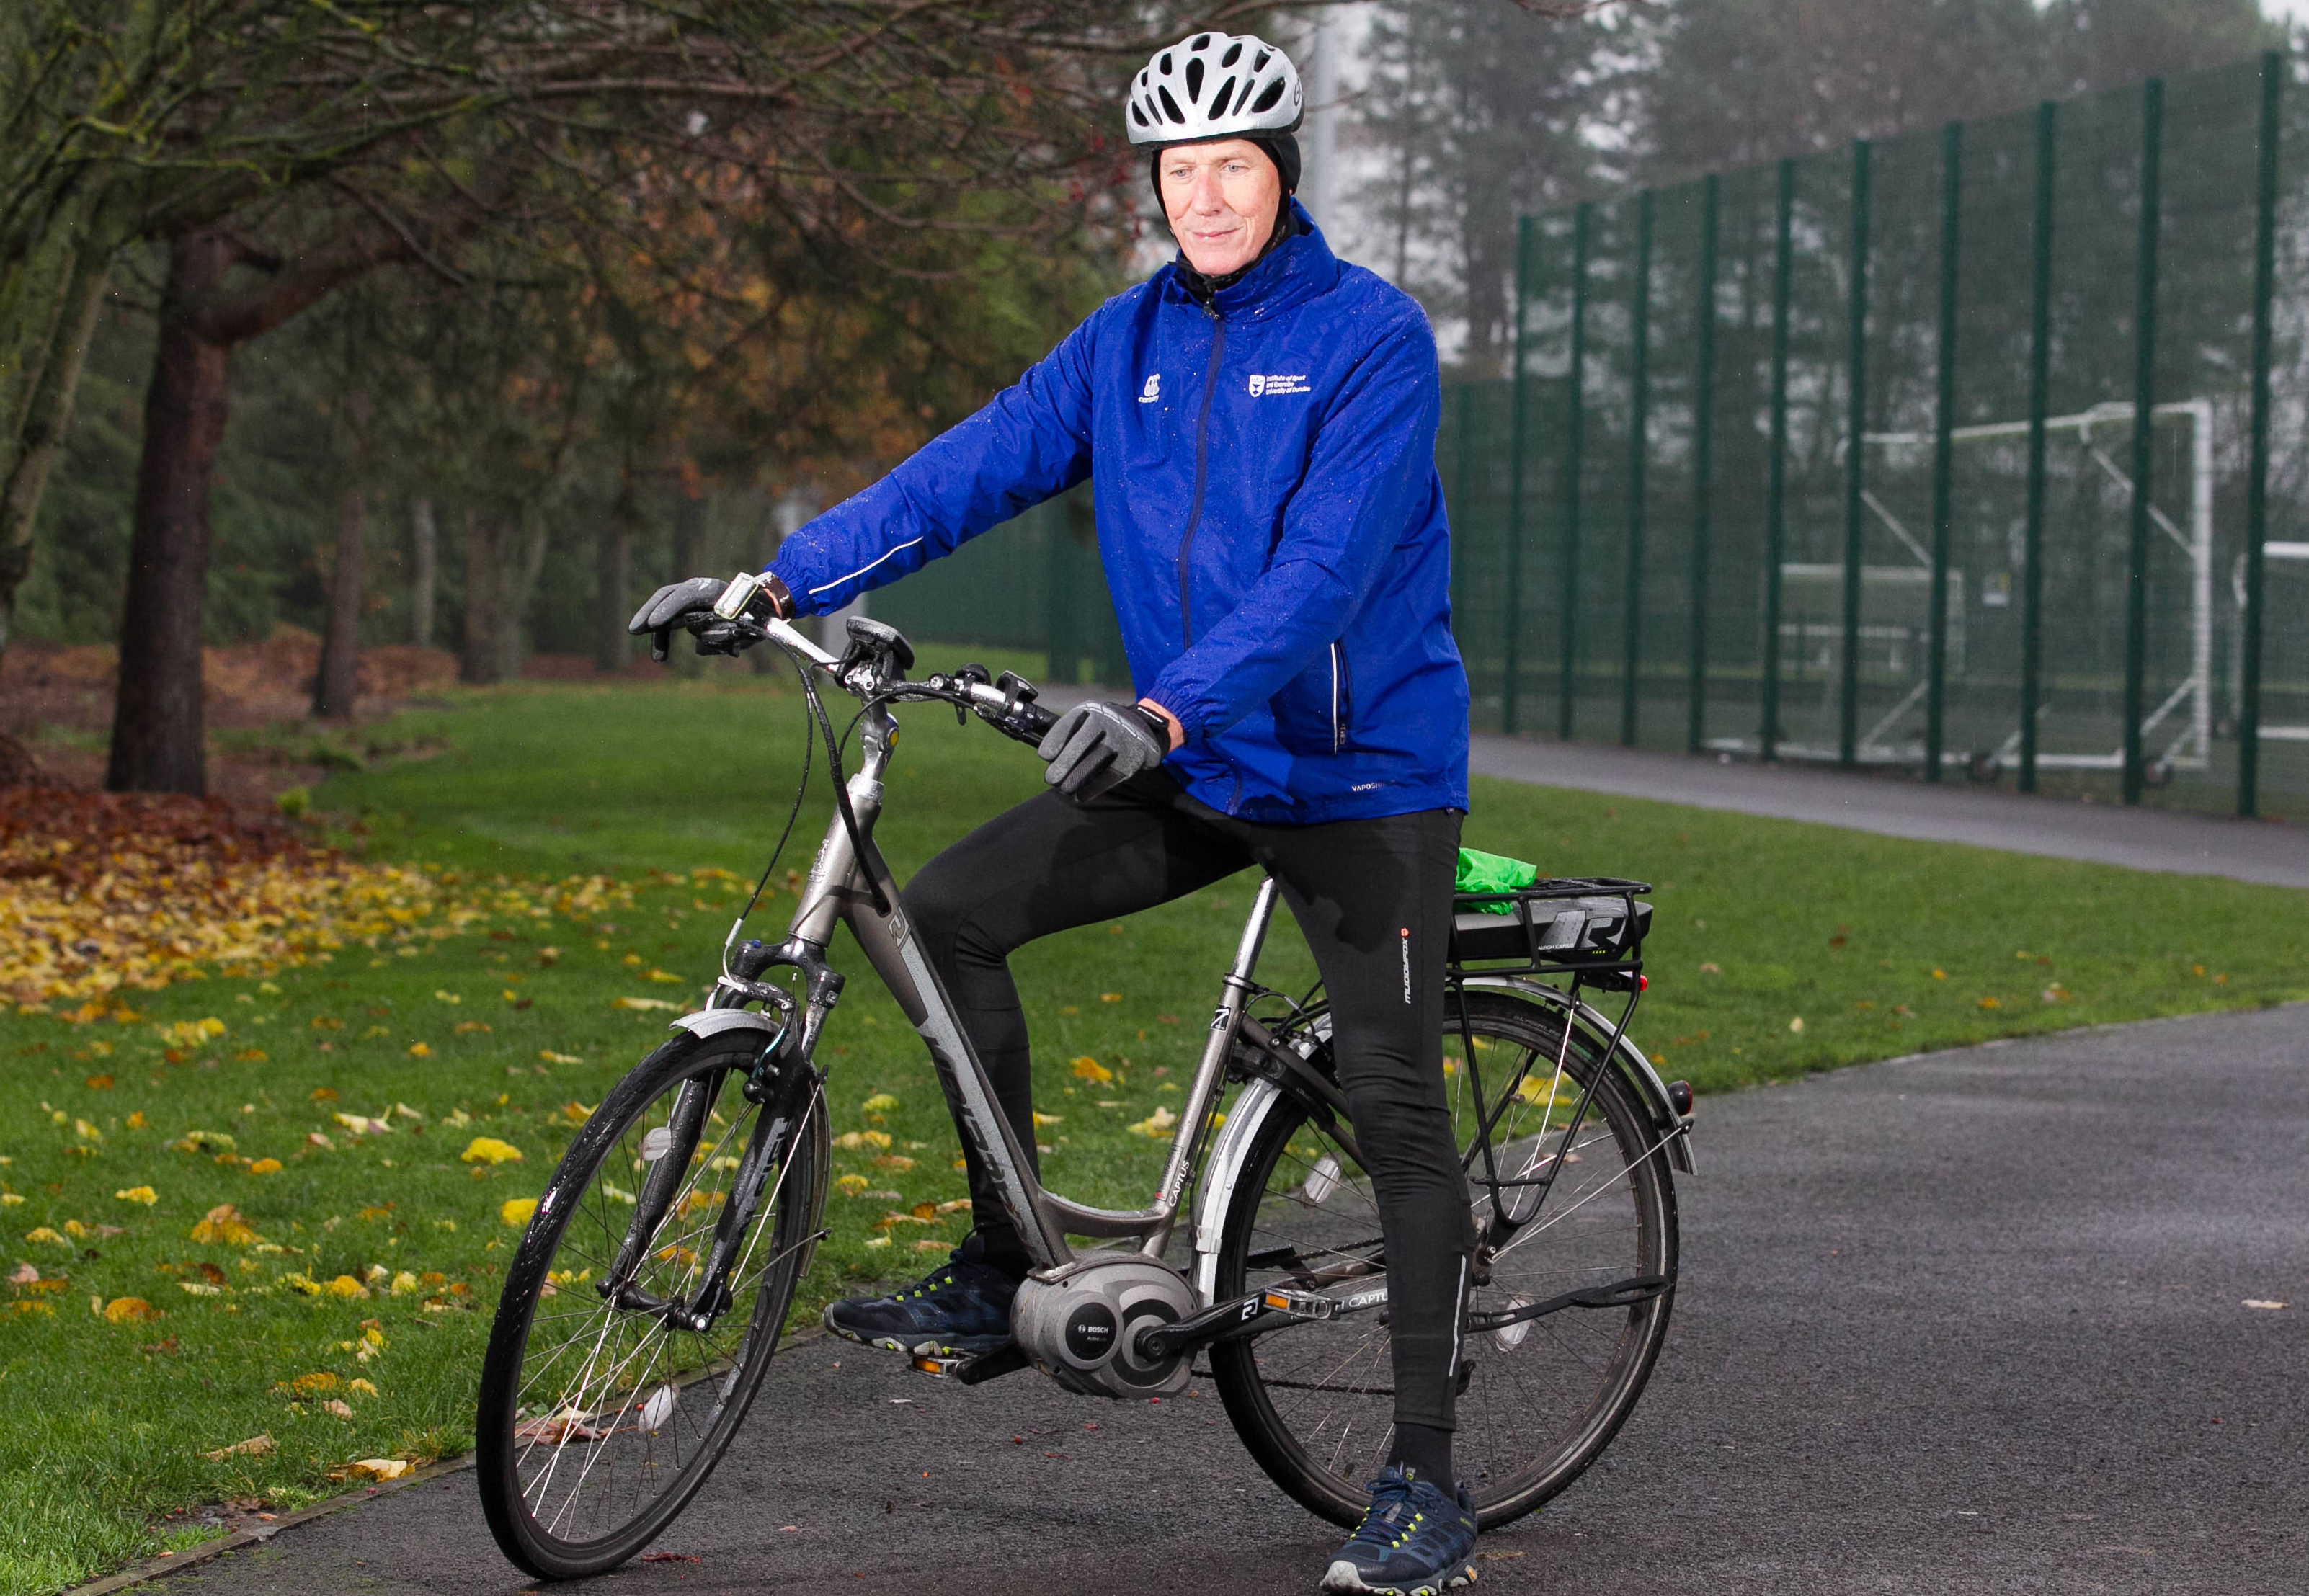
[(1879, 946)]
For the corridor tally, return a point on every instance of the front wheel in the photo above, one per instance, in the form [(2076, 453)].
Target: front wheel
[(604, 1404), (1560, 1205)]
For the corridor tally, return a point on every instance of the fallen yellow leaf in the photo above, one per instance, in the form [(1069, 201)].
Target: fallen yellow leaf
[(488, 1150), (1087, 1068), (255, 1446), (139, 1194), (129, 1310), (419, 1051), (516, 1211), (222, 1225), (347, 1287), (265, 1165)]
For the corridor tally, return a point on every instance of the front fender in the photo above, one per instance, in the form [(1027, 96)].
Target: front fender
[(714, 1022)]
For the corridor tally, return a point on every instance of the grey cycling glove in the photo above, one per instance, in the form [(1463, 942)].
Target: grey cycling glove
[(1097, 747)]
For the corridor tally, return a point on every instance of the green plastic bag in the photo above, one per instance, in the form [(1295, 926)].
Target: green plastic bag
[(1481, 872)]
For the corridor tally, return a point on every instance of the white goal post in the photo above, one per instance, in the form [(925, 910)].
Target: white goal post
[(2192, 701)]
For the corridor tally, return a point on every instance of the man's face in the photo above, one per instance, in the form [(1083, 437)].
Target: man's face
[(1222, 199)]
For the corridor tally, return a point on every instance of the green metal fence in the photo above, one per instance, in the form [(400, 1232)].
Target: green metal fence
[(1980, 452), (1975, 452)]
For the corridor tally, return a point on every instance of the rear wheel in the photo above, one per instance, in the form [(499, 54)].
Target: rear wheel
[(1539, 1397), (603, 1407)]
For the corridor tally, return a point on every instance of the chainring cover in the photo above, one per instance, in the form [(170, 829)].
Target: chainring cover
[(1082, 1328)]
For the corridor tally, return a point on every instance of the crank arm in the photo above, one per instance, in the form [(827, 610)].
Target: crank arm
[(1626, 1293), (1255, 1314)]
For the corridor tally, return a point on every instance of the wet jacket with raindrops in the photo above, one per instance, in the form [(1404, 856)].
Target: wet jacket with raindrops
[(1269, 518)]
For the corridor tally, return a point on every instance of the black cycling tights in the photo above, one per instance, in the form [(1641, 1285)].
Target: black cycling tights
[(1374, 899)]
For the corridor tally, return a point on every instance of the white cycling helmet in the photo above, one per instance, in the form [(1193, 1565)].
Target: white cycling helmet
[(1214, 86)]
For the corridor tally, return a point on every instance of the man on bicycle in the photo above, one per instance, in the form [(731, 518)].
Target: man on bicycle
[(1258, 421)]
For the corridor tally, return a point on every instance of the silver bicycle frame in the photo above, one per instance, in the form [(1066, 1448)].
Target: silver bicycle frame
[(838, 891)]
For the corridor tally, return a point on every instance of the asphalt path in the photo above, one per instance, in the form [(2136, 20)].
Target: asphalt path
[(2140, 838), (1970, 1322)]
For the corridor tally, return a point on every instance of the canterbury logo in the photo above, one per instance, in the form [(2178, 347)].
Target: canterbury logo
[(1152, 391), (1277, 381)]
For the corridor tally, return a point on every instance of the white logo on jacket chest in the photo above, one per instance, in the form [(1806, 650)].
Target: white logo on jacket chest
[(1277, 381), (1152, 391)]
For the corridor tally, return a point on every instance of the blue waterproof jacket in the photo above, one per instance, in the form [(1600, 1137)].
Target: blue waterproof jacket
[(1270, 518)]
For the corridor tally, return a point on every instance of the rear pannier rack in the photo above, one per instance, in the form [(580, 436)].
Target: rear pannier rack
[(1588, 926)]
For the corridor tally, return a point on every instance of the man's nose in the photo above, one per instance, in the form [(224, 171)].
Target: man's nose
[(1210, 194)]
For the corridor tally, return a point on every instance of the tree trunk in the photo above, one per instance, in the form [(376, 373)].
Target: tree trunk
[(688, 561), (478, 660), (158, 733), (613, 561), (426, 537), (332, 687), (41, 417), (525, 541)]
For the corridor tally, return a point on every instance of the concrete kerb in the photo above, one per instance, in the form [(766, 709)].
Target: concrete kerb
[(168, 1563)]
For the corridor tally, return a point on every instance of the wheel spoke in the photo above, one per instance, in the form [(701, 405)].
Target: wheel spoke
[(1534, 1408), (605, 1417)]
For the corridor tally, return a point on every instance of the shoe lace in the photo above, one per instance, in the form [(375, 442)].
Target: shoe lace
[(1391, 1520)]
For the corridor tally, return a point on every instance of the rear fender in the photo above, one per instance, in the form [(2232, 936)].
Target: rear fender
[(1629, 1058), (1243, 1123)]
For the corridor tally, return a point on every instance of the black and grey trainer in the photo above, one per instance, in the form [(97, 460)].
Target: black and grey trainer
[(1416, 1540), (960, 1308)]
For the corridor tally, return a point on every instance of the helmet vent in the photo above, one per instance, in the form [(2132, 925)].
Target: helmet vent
[(1208, 86)]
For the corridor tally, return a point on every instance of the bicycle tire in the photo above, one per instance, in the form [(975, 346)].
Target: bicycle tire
[(537, 1415), (1521, 1439)]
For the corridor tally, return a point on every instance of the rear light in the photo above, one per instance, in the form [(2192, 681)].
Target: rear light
[(1678, 1096), (1643, 983)]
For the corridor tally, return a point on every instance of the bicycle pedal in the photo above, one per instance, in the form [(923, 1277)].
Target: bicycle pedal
[(932, 1363)]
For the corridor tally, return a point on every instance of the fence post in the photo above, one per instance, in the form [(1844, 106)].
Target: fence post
[(2040, 383), (1064, 635), (1639, 428), (1943, 451), (1703, 431), (1511, 664), (1461, 515), (2144, 426), (2256, 500), (1848, 730), (1775, 481), (1574, 450)]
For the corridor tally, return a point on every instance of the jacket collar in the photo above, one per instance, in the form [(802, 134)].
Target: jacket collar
[(1296, 269)]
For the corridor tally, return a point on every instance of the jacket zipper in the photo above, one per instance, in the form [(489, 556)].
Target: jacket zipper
[(1343, 697), (1202, 462)]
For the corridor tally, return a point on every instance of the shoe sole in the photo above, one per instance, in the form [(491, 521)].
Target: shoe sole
[(962, 1346), (1343, 1578)]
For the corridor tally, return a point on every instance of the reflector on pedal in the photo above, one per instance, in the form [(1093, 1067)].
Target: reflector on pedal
[(938, 1366)]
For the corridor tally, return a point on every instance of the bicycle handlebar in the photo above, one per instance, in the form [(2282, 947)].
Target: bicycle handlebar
[(1010, 710)]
